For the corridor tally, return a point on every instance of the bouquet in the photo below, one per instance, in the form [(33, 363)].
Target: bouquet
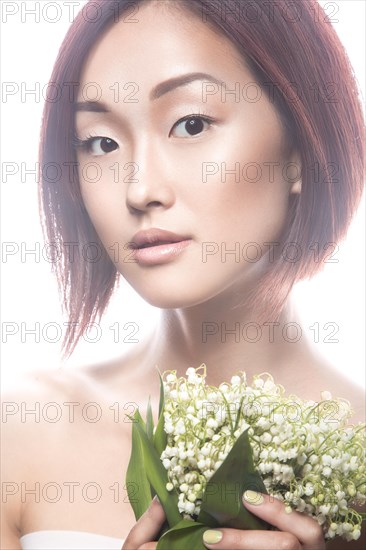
[(212, 444)]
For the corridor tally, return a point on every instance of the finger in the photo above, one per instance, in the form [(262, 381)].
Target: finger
[(146, 529), (236, 539), (306, 529)]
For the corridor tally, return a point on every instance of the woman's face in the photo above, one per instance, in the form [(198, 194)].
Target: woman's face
[(219, 180)]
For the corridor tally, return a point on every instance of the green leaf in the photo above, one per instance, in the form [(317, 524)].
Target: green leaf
[(137, 484), (239, 414), (149, 422), (222, 499), (160, 436), (186, 535), (158, 478), (137, 419), (162, 395)]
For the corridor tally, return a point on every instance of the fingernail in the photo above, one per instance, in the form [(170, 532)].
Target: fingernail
[(211, 536), (252, 497), (156, 498)]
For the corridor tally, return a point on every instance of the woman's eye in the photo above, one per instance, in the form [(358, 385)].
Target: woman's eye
[(97, 146), (191, 126)]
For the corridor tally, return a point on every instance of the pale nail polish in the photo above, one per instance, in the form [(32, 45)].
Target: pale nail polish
[(252, 497), (211, 536)]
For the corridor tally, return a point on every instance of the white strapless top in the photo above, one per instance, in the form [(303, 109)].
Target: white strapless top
[(69, 540)]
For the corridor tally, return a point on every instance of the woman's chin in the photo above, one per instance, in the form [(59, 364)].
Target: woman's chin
[(174, 296), (174, 300), (179, 295)]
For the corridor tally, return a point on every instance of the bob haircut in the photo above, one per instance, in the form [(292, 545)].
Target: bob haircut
[(300, 63)]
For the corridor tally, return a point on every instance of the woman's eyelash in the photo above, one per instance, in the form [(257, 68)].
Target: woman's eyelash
[(86, 142), (198, 115), (203, 116), (82, 143)]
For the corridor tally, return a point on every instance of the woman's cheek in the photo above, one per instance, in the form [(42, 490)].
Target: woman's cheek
[(103, 203)]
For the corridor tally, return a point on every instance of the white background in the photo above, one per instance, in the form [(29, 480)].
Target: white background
[(29, 292)]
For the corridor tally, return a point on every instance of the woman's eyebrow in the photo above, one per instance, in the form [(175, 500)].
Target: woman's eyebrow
[(159, 90), (178, 81), (91, 107)]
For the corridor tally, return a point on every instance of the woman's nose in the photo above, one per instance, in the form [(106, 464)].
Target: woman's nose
[(150, 183)]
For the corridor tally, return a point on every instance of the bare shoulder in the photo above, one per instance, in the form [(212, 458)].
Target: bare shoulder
[(39, 396), (51, 398), (55, 386), (30, 410), (61, 407), (36, 408), (339, 385), (53, 423), (309, 373), (327, 378)]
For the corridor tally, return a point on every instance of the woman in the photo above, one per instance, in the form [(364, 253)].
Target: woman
[(204, 149)]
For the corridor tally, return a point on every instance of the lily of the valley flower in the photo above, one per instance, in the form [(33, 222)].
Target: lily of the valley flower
[(305, 452)]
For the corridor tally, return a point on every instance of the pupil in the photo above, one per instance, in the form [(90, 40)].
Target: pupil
[(194, 126), (107, 145)]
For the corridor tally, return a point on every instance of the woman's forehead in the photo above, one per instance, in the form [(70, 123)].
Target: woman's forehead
[(159, 40)]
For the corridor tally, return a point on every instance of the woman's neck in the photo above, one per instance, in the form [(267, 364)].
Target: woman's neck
[(227, 341)]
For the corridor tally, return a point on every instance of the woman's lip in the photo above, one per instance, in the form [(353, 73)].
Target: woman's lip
[(161, 253), (154, 236)]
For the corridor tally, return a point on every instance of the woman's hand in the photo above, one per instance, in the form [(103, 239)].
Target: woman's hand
[(147, 528), (296, 531)]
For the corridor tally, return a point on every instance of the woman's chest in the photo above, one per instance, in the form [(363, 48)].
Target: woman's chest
[(77, 481)]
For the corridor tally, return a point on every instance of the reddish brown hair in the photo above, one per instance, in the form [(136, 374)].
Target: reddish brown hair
[(292, 46)]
